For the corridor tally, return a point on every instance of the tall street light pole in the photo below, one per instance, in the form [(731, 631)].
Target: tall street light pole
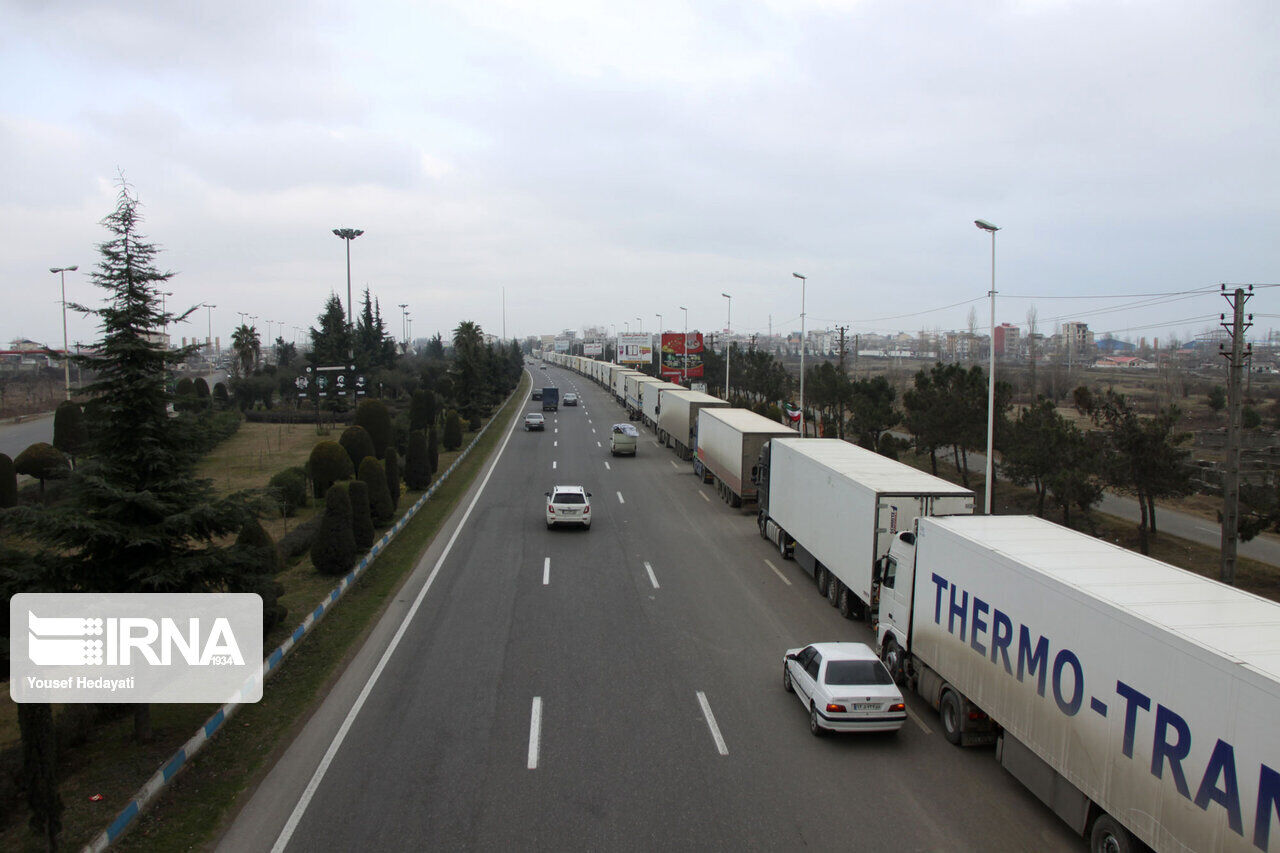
[(347, 235), (991, 378), (728, 328), (209, 317), (66, 363), (684, 349), (659, 350), (803, 283), (404, 323)]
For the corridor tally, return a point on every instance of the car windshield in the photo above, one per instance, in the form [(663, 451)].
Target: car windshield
[(857, 672), (569, 498), (625, 429)]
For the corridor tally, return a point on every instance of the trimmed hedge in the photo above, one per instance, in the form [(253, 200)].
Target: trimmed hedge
[(375, 477), (290, 488), (358, 444), (376, 420), (391, 465), (328, 464), (333, 551), (417, 465), (361, 515)]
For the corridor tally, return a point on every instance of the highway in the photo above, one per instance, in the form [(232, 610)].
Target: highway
[(617, 688)]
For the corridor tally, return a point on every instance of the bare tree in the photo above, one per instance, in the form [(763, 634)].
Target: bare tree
[(1032, 317), (973, 333)]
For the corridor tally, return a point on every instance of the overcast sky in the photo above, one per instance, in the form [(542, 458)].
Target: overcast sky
[(610, 161)]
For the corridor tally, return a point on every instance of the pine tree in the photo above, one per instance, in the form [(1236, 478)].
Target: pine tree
[(135, 517), (331, 343)]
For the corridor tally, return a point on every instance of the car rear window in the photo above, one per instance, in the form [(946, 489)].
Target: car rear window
[(569, 498), (857, 672)]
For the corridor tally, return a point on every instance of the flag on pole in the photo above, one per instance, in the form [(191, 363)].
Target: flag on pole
[(793, 413)]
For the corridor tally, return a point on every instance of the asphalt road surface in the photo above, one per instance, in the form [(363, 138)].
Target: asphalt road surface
[(617, 688)]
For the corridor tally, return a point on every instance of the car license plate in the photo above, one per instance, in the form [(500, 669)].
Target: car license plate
[(866, 706)]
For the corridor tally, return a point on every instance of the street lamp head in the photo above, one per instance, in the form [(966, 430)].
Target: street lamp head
[(71, 268), (347, 233), (682, 308), (797, 275), (726, 296), (985, 225)]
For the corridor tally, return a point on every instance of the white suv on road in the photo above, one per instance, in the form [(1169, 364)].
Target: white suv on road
[(568, 505)]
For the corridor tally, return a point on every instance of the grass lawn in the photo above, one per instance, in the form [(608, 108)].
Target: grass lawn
[(190, 812)]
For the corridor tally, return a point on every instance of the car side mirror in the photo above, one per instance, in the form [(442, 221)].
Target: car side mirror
[(791, 657), (548, 494), (588, 494)]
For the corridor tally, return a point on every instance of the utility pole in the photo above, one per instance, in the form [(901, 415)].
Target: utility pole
[(842, 330), (1231, 470), (857, 345)]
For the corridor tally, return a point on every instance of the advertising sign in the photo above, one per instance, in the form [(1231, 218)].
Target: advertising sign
[(593, 349), (681, 359), (562, 344), (635, 349)]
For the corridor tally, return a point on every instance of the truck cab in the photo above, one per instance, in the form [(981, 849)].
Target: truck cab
[(550, 399)]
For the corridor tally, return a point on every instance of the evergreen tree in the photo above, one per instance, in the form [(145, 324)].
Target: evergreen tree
[(391, 463), (8, 483), (452, 431), (433, 450), (356, 441), (435, 347), (373, 416), (361, 515), (40, 769), (328, 463), (333, 550), (372, 473), (136, 518), (69, 433), (417, 464), (331, 343)]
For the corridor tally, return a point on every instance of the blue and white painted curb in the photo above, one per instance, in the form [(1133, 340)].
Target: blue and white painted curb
[(171, 767)]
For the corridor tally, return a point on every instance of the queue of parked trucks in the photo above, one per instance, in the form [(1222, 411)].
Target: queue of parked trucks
[(1139, 701)]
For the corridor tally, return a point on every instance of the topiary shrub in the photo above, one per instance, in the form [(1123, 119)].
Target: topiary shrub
[(422, 409), (372, 473), (290, 488), (376, 420), (391, 465), (358, 444), (361, 515), (328, 464), (8, 483), (333, 551), (452, 431), (69, 432), (255, 539), (417, 465), (433, 450), (474, 423), (42, 461), (202, 391), (220, 397), (298, 541)]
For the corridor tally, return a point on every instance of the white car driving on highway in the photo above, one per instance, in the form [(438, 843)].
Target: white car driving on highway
[(845, 688), (568, 505)]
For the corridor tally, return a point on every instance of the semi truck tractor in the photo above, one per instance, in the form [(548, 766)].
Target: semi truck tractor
[(550, 399), (1137, 700), (678, 420), (727, 447), (836, 508)]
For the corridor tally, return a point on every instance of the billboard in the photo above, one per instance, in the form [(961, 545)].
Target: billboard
[(681, 359), (635, 349), (562, 344), (593, 349)]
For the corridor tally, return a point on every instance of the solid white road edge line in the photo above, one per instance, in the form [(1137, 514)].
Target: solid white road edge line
[(535, 732), (620, 500), (652, 578), (778, 573), (546, 571), (711, 723), (919, 722), (282, 841)]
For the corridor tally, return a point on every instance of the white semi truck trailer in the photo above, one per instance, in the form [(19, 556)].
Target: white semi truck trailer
[(836, 508), (1136, 699), (678, 420), (728, 446)]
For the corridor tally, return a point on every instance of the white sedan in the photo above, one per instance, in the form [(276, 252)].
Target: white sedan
[(845, 688), (568, 505)]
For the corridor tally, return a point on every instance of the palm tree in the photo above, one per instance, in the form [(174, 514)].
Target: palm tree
[(248, 345), (467, 337)]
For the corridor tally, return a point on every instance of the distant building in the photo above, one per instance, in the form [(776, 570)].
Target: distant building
[(1007, 339), (1127, 361), (1113, 346)]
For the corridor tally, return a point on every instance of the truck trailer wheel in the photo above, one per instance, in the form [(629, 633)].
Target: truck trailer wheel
[(782, 544), (1108, 836), (822, 579), (833, 589), (845, 603), (951, 709)]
